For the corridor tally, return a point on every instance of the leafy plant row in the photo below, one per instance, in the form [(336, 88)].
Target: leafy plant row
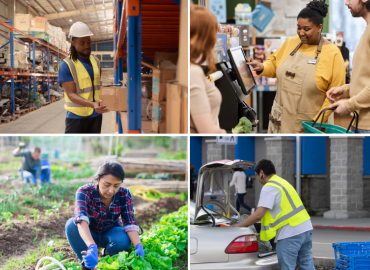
[(163, 245)]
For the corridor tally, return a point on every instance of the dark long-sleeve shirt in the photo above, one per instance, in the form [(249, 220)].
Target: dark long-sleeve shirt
[(30, 163)]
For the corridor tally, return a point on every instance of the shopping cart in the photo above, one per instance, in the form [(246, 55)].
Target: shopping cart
[(352, 255), (319, 128)]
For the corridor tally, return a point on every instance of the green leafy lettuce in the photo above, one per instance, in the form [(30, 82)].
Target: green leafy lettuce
[(163, 244)]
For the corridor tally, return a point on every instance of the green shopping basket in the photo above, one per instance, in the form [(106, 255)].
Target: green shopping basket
[(320, 128)]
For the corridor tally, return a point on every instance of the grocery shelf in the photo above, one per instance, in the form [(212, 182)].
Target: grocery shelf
[(142, 27), (34, 45)]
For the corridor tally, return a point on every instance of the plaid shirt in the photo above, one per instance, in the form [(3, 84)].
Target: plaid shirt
[(90, 208)]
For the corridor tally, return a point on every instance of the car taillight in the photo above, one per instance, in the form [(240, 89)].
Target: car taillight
[(243, 244)]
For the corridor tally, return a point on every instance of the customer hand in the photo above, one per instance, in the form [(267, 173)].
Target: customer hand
[(301, 130), (91, 259), (257, 66), (99, 108), (139, 250), (341, 107), (334, 94), (235, 225)]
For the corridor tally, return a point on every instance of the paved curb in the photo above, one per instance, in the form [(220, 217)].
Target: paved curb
[(322, 261), (342, 228)]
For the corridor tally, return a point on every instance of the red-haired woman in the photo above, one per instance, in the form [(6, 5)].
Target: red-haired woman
[(205, 98)]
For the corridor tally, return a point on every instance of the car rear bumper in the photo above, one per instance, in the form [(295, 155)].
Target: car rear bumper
[(268, 263)]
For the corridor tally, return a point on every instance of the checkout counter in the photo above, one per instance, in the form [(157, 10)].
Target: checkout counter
[(235, 81)]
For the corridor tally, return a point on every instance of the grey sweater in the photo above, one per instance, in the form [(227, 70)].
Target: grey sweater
[(30, 163)]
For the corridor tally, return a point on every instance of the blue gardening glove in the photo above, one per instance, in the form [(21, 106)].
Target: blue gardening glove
[(91, 259), (139, 250)]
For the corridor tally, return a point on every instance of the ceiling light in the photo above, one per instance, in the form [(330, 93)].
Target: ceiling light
[(103, 7), (70, 20), (106, 27), (61, 9)]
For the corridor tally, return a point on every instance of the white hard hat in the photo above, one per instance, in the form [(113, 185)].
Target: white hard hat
[(79, 29)]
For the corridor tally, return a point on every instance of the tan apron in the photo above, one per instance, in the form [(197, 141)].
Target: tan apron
[(297, 98)]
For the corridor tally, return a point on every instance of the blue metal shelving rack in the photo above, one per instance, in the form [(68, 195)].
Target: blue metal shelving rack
[(142, 27), (34, 77)]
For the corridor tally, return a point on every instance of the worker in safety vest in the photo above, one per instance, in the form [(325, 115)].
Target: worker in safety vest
[(79, 74), (283, 217)]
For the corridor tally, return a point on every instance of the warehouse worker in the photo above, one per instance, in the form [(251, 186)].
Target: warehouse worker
[(32, 165), (104, 217), (306, 67), (283, 217), (358, 91), (79, 74)]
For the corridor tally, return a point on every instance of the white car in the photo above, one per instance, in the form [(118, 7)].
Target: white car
[(216, 247)]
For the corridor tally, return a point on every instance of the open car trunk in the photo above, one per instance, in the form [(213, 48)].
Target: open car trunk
[(214, 185)]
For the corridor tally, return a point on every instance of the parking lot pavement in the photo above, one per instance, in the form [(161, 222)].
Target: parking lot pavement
[(322, 240)]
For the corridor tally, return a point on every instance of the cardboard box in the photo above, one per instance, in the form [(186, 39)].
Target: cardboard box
[(177, 108), (114, 97), (166, 56), (159, 116), (159, 127), (160, 77), (39, 24), (22, 21)]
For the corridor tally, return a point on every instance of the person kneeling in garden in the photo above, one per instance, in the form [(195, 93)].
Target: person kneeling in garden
[(96, 223)]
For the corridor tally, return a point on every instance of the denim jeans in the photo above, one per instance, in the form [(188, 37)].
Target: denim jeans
[(360, 130), (114, 240), (240, 202), (295, 249), (31, 176)]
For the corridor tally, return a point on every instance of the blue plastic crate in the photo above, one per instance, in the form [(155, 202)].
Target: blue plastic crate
[(352, 255)]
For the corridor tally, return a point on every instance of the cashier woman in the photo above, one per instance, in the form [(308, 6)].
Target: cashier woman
[(306, 67)]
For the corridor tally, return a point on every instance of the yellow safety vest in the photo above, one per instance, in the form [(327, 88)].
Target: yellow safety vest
[(292, 210), (84, 87)]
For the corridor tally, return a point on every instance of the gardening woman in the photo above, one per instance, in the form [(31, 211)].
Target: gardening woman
[(96, 223)]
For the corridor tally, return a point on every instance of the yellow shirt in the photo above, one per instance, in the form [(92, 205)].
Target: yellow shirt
[(330, 70)]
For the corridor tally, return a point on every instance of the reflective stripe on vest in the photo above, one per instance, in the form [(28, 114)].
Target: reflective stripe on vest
[(287, 216), (83, 84)]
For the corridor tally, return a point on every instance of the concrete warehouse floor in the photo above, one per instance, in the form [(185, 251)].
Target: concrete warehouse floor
[(48, 119)]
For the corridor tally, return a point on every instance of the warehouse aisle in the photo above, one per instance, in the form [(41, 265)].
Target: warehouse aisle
[(49, 119)]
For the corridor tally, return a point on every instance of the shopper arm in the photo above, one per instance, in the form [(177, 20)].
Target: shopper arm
[(253, 218), (346, 88), (359, 101), (204, 124), (84, 231)]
